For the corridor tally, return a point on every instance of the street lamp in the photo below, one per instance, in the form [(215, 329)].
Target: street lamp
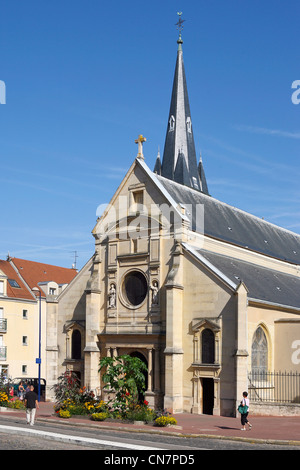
[(38, 359)]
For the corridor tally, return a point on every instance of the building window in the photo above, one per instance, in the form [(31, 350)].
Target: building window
[(52, 290), (13, 283), (208, 346), (259, 352), (24, 340), (138, 197), (135, 287), (1, 287), (24, 369), (25, 314), (76, 344)]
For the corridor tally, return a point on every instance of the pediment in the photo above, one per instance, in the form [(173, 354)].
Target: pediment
[(73, 325), (201, 323)]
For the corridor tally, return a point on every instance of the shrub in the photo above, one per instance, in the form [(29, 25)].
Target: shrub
[(64, 414), (99, 416), (125, 376), (165, 421), (16, 404), (140, 413)]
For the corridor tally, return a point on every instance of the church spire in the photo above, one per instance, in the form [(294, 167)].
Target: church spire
[(179, 158)]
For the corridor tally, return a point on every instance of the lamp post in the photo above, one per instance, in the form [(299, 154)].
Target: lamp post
[(38, 360)]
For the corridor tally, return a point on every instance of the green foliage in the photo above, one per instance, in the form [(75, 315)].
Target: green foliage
[(73, 398), (140, 413), (16, 404), (124, 375), (68, 389)]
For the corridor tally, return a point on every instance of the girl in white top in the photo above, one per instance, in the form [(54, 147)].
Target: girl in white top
[(244, 416)]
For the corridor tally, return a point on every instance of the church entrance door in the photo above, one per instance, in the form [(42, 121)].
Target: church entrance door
[(208, 396)]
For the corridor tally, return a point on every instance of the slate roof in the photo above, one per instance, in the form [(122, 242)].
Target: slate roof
[(229, 224), (263, 284), (179, 158)]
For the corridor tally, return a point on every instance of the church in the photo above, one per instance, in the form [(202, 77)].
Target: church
[(205, 294)]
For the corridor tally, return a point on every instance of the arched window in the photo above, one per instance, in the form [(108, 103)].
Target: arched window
[(259, 352), (76, 344), (208, 346)]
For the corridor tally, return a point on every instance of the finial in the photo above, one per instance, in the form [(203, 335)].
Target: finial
[(179, 25), (140, 141)]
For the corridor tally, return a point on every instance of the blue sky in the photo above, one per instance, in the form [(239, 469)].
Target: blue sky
[(85, 78)]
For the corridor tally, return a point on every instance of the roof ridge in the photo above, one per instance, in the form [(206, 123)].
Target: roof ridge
[(42, 264), (210, 198)]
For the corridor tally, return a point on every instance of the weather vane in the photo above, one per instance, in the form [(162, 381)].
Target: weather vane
[(180, 22)]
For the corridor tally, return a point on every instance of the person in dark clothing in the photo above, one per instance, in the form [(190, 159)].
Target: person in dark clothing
[(31, 403)]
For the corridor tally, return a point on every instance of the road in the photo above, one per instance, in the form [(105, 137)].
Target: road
[(16, 435)]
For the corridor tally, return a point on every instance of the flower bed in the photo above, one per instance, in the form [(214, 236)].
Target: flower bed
[(12, 403), (71, 400)]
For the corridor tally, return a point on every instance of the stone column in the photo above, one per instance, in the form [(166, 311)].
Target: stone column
[(157, 370), (196, 394), (241, 356), (150, 371), (173, 401), (216, 410), (92, 329), (52, 371)]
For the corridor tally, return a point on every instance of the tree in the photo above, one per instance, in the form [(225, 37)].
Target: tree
[(124, 375)]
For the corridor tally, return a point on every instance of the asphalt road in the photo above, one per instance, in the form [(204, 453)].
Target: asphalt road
[(16, 435)]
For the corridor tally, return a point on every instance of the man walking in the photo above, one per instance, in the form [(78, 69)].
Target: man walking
[(31, 403)]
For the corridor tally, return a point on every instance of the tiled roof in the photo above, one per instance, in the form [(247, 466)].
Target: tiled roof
[(34, 273), (21, 292)]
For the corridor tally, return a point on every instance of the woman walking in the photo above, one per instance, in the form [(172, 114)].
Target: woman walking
[(244, 416)]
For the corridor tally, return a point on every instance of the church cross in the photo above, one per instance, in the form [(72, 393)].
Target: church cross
[(180, 22), (140, 141)]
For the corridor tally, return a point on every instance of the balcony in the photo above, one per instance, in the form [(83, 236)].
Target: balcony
[(3, 353), (3, 325)]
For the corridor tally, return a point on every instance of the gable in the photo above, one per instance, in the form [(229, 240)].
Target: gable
[(139, 202)]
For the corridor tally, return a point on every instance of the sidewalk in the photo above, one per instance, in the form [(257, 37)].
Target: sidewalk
[(277, 429)]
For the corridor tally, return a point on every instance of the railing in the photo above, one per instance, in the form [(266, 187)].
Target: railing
[(3, 325), (275, 387), (2, 353)]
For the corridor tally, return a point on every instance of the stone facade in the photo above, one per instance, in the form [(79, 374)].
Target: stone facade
[(144, 292), (202, 292)]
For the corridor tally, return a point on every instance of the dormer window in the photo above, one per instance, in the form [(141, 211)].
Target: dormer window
[(1, 287), (189, 125), (195, 183), (171, 123)]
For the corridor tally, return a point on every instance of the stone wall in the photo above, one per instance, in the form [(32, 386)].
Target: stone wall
[(274, 409)]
